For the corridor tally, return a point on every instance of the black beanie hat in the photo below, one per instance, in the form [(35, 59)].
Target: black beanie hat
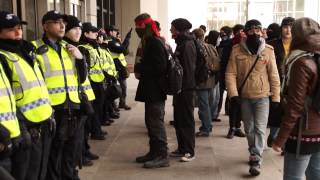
[(72, 22), (181, 24), (287, 21), (250, 23)]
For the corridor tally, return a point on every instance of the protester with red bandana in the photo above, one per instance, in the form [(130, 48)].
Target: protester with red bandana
[(152, 70)]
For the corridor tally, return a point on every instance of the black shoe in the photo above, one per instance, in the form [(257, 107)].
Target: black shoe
[(230, 134), (116, 109), (270, 141), (114, 115), (111, 120), (158, 162), (145, 158), (238, 132), (105, 123), (171, 123), (202, 134), (125, 107), (216, 120), (92, 156), (104, 133), (87, 162), (98, 137)]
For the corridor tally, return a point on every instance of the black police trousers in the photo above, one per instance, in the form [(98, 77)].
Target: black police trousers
[(29, 162), (62, 157)]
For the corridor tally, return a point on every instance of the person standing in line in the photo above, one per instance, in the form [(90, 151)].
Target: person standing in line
[(152, 68), (183, 103)]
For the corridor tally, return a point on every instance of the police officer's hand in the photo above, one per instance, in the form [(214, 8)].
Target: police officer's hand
[(74, 51), (274, 105)]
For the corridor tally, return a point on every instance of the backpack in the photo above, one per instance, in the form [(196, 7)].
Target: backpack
[(174, 74), (213, 57), (315, 98), (202, 71)]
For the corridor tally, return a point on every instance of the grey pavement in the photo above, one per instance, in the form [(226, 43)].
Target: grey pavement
[(217, 158)]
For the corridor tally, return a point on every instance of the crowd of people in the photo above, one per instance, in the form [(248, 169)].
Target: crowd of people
[(270, 76), (58, 91)]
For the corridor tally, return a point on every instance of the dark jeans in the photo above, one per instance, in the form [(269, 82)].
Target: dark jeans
[(98, 103), (184, 121), (123, 85), (234, 115), (63, 151), (154, 119)]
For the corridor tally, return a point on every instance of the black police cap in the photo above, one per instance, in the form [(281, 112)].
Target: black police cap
[(72, 22), (52, 15), (87, 27), (9, 20)]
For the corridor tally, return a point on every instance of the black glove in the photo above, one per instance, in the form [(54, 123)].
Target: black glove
[(235, 100), (128, 36), (274, 105)]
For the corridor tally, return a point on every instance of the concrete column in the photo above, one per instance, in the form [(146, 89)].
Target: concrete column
[(91, 11)]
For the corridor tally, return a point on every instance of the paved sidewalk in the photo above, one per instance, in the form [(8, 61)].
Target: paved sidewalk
[(217, 158)]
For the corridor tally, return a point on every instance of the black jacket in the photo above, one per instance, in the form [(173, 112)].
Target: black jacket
[(224, 51), (279, 53), (116, 46), (152, 68), (187, 54)]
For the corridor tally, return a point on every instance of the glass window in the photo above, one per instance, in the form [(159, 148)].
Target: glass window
[(6, 5), (57, 5)]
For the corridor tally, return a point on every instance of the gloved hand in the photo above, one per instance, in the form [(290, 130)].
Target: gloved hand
[(274, 105), (128, 36), (235, 100)]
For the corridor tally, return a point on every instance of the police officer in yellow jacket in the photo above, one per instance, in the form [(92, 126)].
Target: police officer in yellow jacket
[(31, 95), (63, 68), (118, 51), (9, 125), (83, 155), (90, 47)]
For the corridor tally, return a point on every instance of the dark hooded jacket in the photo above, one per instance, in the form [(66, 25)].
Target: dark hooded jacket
[(301, 80)]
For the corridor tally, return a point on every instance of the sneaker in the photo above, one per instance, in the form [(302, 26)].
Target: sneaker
[(202, 134), (176, 153), (187, 157), (158, 162), (145, 158), (255, 170), (238, 132), (230, 134)]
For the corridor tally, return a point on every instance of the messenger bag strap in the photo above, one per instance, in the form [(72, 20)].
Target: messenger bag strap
[(251, 69)]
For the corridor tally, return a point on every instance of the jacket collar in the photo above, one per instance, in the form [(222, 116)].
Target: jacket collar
[(260, 49)]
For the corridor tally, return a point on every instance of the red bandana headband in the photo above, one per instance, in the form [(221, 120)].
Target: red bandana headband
[(149, 21)]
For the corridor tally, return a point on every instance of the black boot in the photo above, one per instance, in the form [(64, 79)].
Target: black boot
[(148, 157), (158, 162)]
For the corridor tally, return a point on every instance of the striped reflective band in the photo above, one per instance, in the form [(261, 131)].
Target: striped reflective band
[(93, 71), (62, 89), (7, 116), (34, 104), (86, 87), (3, 92)]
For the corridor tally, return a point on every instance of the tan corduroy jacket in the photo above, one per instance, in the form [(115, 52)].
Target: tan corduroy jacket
[(264, 79)]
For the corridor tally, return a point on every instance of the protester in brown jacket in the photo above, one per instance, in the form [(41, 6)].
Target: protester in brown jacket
[(300, 127), (255, 93)]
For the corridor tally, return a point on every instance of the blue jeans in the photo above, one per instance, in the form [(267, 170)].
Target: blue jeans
[(214, 98), (204, 110), (254, 113), (301, 167)]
